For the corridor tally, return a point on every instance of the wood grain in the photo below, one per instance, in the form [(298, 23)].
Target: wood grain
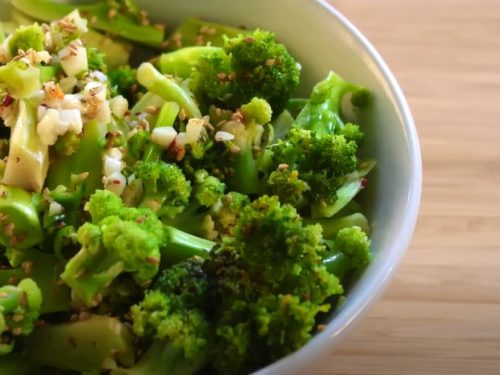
[(441, 314)]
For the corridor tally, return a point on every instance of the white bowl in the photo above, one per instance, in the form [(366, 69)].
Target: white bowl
[(322, 39)]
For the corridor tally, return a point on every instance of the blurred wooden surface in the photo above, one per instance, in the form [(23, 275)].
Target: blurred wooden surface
[(441, 314)]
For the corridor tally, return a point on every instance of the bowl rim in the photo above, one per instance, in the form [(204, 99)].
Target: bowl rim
[(341, 325)]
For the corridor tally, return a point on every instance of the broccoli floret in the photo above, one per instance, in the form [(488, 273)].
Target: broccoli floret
[(19, 310), (166, 189), (321, 161), (67, 144), (21, 80), (349, 252), (207, 192), (95, 59), (287, 185), (27, 37), (268, 286), (323, 112), (172, 316), (90, 345), (125, 22), (119, 240), (122, 81), (331, 226), (248, 66)]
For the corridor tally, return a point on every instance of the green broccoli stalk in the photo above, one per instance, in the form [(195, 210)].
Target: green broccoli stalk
[(248, 137), (94, 343), (172, 317), (167, 88), (44, 269), (349, 252), (17, 364), (123, 23), (28, 159), (267, 286), (2, 33), (87, 159), (195, 32), (323, 113), (181, 246), (116, 53), (248, 66), (21, 80), (20, 225), (331, 226), (19, 310), (182, 62)]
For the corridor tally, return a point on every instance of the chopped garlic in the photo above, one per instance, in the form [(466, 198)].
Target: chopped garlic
[(77, 20), (118, 106), (180, 140), (74, 58), (115, 183), (193, 130), (46, 128), (163, 136), (222, 136), (55, 208), (95, 90), (112, 165), (57, 122), (72, 101), (71, 120)]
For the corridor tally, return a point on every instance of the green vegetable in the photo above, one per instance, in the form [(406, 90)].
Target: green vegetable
[(27, 37), (196, 32), (172, 317), (28, 157), (116, 53), (182, 62), (17, 364), (91, 344), (20, 79), (269, 284), (167, 88), (87, 159), (20, 225), (122, 24), (44, 269), (19, 310), (323, 113)]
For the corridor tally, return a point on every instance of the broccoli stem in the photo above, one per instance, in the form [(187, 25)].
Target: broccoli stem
[(337, 264), (181, 63), (28, 157), (166, 117), (19, 222), (2, 33), (44, 269), (17, 364), (49, 72), (116, 52), (181, 246), (119, 25), (331, 226), (246, 175), (295, 105), (162, 358), (282, 124), (167, 88), (193, 32), (88, 159), (95, 344)]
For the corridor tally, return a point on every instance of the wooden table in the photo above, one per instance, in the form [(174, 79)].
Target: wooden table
[(441, 314)]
